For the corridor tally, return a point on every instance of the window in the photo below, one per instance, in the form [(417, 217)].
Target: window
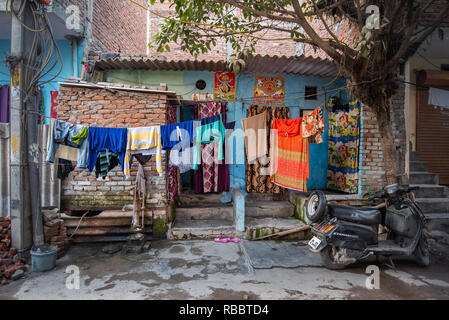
[(311, 93)]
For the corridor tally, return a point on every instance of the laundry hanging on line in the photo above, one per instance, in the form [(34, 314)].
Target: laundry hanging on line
[(209, 133), (438, 97), (106, 139), (255, 129), (61, 134), (127, 143), (106, 161), (144, 140), (289, 154), (313, 125)]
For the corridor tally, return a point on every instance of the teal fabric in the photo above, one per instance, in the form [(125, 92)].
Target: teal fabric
[(207, 134)]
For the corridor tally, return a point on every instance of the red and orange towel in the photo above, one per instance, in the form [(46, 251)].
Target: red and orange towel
[(289, 154)]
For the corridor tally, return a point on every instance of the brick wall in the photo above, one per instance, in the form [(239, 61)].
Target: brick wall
[(373, 170), (277, 47), (120, 25), (99, 107)]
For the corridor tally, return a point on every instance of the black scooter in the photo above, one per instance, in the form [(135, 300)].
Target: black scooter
[(345, 234)]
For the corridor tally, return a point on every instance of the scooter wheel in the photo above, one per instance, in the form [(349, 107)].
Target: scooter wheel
[(316, 206), (422, 253), (328, 259)]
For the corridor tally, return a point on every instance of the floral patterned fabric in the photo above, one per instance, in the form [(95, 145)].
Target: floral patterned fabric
[(313, 125), (343, 155)]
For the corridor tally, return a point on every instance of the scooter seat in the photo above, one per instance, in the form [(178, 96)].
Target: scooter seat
[(357, 215)]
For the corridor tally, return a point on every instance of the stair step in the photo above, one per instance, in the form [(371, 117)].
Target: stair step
[(430, 191), (108, 218), (437, 221), (103, 238), (199, 200), (109, 225), (269, 209), (259, 227), (254, 197), (414, 156), (101, 231), (205, 213), (202, 229), (423, 178), (418, 166), (433, 205)]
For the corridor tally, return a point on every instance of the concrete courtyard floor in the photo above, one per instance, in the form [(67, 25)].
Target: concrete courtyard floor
[(208, 270)]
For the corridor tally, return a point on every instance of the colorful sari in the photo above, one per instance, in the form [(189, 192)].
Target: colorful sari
[(289, 155), (343, 155)]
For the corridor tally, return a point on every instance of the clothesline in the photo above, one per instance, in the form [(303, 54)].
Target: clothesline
[(243, 100)]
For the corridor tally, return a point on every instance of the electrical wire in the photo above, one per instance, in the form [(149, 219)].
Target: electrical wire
[(16, 15), (430, 62)]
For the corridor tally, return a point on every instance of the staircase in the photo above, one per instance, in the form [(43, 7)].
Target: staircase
[(266, 214), (431, 197), (204, 216)]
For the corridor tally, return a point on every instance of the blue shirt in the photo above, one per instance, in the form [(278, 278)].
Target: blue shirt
[(106, 139)]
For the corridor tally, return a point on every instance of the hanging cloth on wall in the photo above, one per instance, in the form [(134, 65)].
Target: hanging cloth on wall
[(313, 125), (139, 200), (438, 97), (64, 168), (255, 181), (289, 155), (178, 138), (61, 146), (211, 176), (229, 129), (106, 161), (4, 104), (207, 135), (54, 104), (172, 170), (343, 154), (145, 140), (172, 134), (106, 139), (64, 151), (255, 129)]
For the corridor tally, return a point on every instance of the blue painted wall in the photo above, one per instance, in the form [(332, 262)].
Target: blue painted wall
[(5, 49), (70, 67)]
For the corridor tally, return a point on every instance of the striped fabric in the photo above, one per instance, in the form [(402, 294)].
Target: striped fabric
[(146, 140), (106, 161)]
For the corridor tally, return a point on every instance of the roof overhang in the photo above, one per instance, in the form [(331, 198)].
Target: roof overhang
[(298, 65)]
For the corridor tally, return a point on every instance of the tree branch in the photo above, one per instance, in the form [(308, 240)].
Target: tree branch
[(443, 14), (301, 20), (255, 12), (320, 15)]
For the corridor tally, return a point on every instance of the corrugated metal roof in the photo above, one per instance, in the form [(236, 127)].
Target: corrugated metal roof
[(299, 65)]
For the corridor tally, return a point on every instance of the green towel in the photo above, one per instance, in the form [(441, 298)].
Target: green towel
[(80, 136)]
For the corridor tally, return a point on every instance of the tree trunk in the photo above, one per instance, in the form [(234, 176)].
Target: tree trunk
[(390, 152)]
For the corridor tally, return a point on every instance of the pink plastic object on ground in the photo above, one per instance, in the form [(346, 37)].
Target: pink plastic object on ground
[(224, 240)]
